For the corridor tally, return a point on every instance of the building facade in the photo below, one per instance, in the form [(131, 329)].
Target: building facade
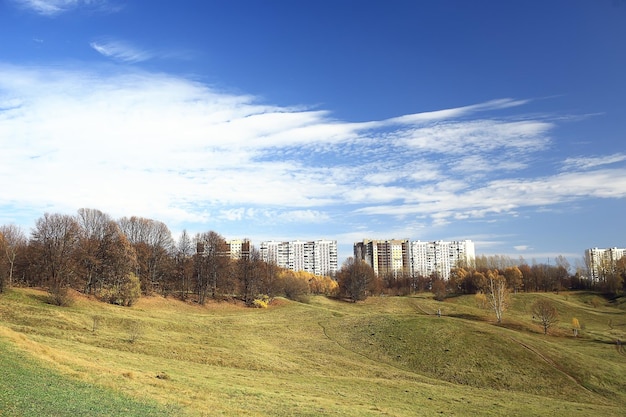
[(414, 257), (384, 256), (602, 262), (317, 257), (238, 248)]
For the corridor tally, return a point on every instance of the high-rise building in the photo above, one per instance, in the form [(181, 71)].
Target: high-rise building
[(414, 257), (317, 257), (602, 261), (384, 256), (439, 257)]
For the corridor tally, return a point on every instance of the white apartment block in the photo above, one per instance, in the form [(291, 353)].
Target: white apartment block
[(602, 261), (439, 257), (414, 257), (238, 248), (316, 257)]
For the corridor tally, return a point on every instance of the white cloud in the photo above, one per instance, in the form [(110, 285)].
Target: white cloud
[(505, 196), (121, 51), (584, 162), (55, 7), (482, 136), (137, 143)]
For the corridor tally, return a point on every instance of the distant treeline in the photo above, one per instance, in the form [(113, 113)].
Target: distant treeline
[(118, 260)]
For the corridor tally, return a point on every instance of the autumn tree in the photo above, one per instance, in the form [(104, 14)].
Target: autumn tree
[(575, 326), (126, 291), (323, 285), (354, 277), (514, 277), (105, 256), (295, 285), (546, 313), (528, 281), (439, 289), (498, 293), (55, 239)]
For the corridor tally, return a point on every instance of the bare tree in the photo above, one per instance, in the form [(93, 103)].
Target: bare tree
[(249, 274), (184, 263), (56, 239), (211, 262), (546, 313), (12, 239), (271, 284), (154, 245)]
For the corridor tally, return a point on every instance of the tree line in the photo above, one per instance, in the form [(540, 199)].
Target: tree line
[(119, 260), (483, 276)]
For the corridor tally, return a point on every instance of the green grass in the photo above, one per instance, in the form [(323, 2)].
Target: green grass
[(29, 389), (384, 356)]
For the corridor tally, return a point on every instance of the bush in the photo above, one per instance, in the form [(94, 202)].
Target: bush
[(295, 287), (126, 293), (60, 296), (439, 289), (258, 303), (135, 330)]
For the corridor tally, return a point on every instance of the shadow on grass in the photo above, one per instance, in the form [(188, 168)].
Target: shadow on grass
[(40, 298), (466, 316)]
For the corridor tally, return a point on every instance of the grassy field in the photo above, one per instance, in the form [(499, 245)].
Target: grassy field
[(387, 356)]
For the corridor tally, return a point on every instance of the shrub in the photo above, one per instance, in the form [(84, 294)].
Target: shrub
[(60, 296), (295, 286), (135, 330), (258, 303), (439, 289), (481, 300), (126, 293)]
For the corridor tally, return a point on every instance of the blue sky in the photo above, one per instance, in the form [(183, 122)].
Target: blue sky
[(502, 122)]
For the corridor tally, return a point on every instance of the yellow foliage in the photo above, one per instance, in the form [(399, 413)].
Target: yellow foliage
[(259, 303), (481, 300)]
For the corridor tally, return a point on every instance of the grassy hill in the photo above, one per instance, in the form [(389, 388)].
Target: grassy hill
[(385, 356)]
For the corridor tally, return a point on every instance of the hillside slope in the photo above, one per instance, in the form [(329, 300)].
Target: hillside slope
[(385, 356)]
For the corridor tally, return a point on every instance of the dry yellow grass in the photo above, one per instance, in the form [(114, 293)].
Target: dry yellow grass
[(290, 359)]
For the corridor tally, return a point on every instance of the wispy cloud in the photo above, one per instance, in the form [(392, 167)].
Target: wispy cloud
[(121, 51), (52, 8), (584, 162), (87, 139)]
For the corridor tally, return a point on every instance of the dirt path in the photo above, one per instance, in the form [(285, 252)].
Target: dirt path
[(419, 308), (552, 364)]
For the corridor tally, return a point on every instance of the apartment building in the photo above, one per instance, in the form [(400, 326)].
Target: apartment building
[(317, 257), (600, 262), (238, 248), (439, 257), (384, 256), (414, 257)]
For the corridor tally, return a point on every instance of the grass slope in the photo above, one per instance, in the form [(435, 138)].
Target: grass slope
[(385, 356), (29, 389)]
